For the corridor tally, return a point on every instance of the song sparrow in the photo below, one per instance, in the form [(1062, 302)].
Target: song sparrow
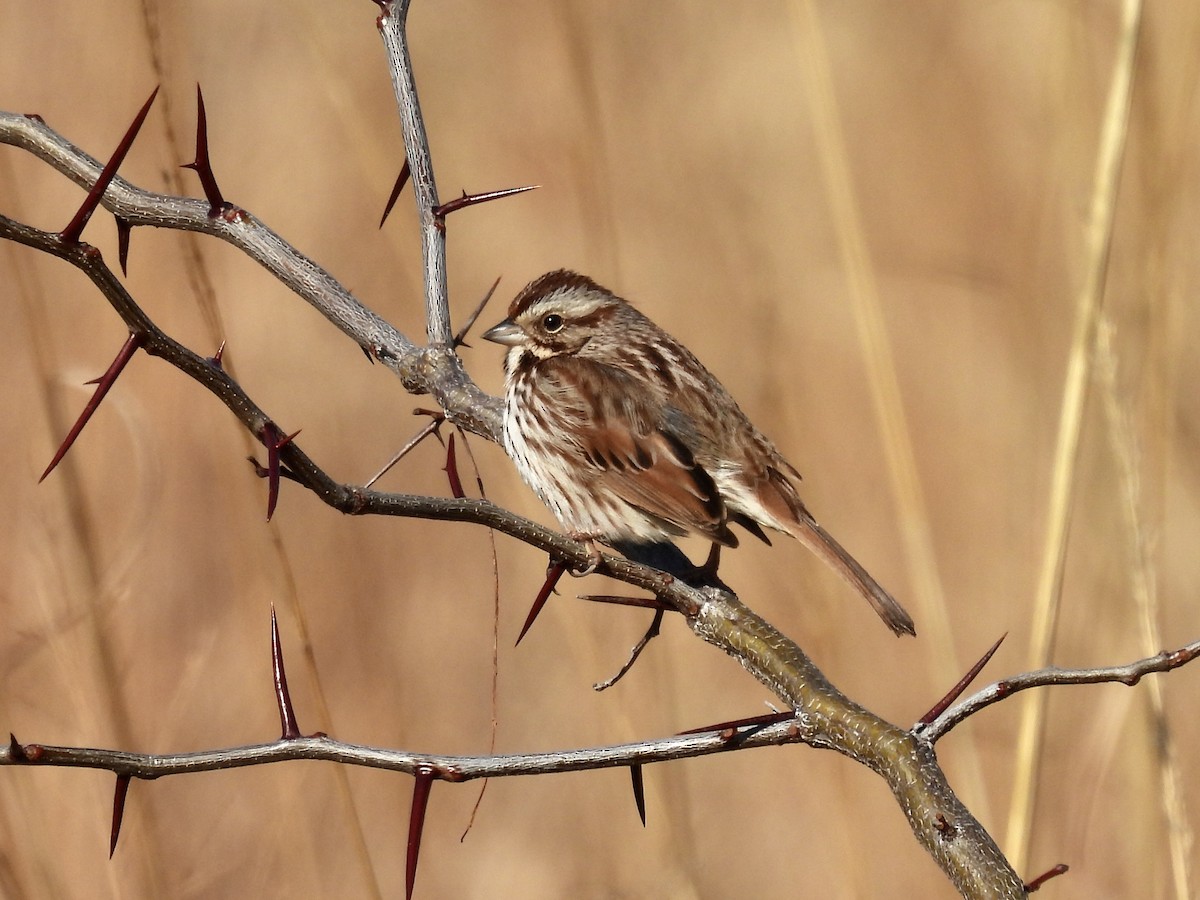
[(623, 433)]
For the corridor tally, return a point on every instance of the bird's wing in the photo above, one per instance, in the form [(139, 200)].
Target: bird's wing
[(629, 437)]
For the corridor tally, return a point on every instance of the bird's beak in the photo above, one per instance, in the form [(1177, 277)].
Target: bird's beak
[(507, 333)]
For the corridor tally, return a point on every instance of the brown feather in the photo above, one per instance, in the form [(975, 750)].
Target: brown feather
[(621, 433)]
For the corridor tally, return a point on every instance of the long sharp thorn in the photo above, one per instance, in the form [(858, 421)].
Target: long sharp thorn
[(202, 165), (124, 229), (475, 199), (428, 429), (451, 471), (553, 574), (401, 180), (70, 234), (963, 683), (639, 791), (118, 812), (474, 464), (289, 728), (103, 384), (274, 442), (460, 338), (618, 600), (751, 722), (416, 825)]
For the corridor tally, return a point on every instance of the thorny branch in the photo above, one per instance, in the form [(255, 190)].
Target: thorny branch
[(717, 738), (447, 768), (824, 717), (1129, 674)]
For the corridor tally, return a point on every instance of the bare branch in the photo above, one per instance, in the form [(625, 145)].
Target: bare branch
[(422, 371), (420, 164), (444, 767), (1129, 674)]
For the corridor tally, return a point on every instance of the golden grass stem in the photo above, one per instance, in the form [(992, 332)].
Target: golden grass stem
[(1144, 588), (1063, 476), (915, 532)]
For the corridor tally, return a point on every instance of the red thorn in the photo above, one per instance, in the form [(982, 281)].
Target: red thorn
[(639, 791), (103, 383), (274, 441), (618, 600), (416, 824), (217, 357), (289, 728), (474, 464), (401, 180), (963, 683), (553, 574), (466, 199), (202, 166), (451, 471), (124, 229), (70, 234), (118, 812), (16, 752), (1060, 869), (460, 338), (437, 416), (751, 722)]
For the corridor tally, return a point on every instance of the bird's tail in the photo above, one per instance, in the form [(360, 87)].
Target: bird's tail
[(819, 541)]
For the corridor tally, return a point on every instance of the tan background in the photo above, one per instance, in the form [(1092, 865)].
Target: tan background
[(676, 147)]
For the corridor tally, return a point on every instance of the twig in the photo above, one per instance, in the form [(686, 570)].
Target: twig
[(1129, 674), (445, 767)]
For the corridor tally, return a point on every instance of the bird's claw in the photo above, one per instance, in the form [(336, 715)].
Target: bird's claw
[(594, 558)]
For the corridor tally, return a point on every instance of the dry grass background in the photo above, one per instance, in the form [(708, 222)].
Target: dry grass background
[(680, 153)]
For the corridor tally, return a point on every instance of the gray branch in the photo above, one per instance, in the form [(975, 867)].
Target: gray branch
[(448, 768), (1129, 674)]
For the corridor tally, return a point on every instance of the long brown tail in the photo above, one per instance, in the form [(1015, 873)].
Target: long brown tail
[(820, 542)]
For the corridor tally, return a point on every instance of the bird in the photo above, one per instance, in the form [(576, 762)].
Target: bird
[(625, 435)]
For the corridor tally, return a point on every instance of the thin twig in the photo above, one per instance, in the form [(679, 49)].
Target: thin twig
[(445, 767), (1128, 674)]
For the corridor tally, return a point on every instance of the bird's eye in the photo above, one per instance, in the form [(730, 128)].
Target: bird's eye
[(553, 323)]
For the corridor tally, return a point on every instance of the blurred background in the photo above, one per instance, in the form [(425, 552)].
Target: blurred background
[(870, 219)]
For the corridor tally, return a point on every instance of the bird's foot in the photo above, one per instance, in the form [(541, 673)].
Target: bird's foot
[(594, 558)]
